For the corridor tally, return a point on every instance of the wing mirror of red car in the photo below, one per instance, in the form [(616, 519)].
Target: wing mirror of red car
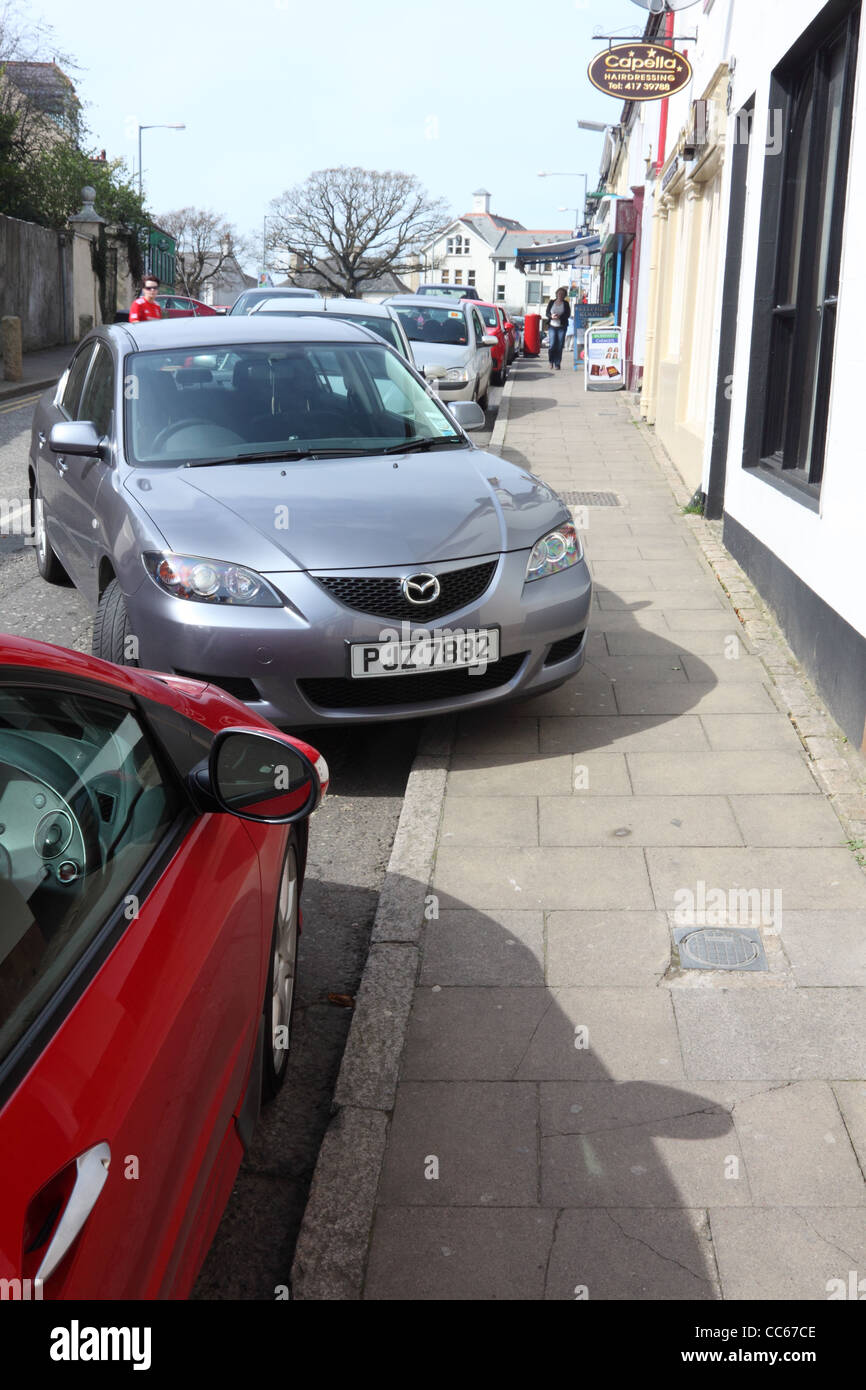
[(260, 777)]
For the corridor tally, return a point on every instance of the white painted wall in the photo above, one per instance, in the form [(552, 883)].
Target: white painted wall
[(826, 549)]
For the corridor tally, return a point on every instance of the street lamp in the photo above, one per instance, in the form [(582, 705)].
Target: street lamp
[(151, 127), (594, 125)]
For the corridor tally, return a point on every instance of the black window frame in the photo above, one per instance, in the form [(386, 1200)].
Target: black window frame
[(102, 352), (84, 353), (779, 389)]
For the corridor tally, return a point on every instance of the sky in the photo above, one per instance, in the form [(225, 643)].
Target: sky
[(483, 93)]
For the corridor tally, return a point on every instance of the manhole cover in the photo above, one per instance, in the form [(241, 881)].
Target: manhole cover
[(720, 948), (590, 499)]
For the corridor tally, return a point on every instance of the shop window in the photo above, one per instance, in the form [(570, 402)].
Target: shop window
[(797, 287)]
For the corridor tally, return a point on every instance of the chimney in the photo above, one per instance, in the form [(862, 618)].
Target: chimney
[(481, 200)]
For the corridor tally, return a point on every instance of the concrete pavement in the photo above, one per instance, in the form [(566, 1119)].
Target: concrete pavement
[(538, 1100), (39, 371)]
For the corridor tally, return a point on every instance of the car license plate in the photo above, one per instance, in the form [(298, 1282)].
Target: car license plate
[(428, 651)]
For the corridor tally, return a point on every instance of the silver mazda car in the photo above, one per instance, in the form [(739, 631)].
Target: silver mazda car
[(284, 508)]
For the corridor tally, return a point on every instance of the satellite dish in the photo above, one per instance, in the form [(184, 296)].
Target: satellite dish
[(663, 6)]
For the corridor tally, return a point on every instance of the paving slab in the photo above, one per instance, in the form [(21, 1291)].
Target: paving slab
[(459, 1254), (825, 878), (545, 878), (606, 948), (795, 1254), (462, 1144), (826, 948), (484, 948), (778, 1035), (638, 820), (625, 1255), (796, 1149), (720, 774)]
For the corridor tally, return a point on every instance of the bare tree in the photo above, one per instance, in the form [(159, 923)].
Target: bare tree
[(206, 242), (351, 225)]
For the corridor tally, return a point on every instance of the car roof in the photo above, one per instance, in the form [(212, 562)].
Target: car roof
[(321, 306), (426, 301), (218, 329)]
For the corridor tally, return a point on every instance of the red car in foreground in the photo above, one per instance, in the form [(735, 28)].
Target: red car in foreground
[(153, 836), (494, 319)]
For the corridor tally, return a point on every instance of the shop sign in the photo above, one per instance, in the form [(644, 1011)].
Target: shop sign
[(640, 72), (603, 359)]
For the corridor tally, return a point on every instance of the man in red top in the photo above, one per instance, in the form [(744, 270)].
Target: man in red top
[(145, 307)]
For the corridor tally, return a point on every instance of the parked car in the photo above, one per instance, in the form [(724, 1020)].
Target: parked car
[(512, 336), (493, 318), (153, 839), (263, 504), (449, 291), (248, 299), (180, 306), (379, 318), (452, 336)]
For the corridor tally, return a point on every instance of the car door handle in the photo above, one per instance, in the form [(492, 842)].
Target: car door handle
[(42, 436), (91, 1176), (61, 463)]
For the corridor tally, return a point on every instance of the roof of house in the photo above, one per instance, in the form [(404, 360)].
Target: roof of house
[(43, 84)]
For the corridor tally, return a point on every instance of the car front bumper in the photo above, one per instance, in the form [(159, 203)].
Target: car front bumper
[(292, 664)]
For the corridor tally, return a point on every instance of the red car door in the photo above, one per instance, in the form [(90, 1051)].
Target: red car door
[(130, 997)]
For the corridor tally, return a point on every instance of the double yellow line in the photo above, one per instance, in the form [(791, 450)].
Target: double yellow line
[(7, 407)]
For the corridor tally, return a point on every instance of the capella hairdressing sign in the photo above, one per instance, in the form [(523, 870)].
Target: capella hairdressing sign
[(640, 72)]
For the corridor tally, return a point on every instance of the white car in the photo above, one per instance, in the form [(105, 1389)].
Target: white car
[(449, 344), (378, 318)]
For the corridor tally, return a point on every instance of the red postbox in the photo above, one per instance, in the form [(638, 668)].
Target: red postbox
[(532, 335)]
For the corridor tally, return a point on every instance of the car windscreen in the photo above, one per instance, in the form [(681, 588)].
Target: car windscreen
[(383, 324), (443, 291), (250, 298), (253, 399), (433, 325)]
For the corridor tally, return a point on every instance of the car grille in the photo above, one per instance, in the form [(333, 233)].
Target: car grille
[(383, 597), (404, 690)]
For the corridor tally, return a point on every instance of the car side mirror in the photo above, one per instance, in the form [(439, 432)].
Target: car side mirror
[(78, 437), (468, 414), (260, 777), (489, 340)]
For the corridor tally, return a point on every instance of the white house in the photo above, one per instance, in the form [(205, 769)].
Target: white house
[(477, 249)]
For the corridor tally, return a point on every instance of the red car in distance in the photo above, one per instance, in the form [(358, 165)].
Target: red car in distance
[(153, 837), (180, 306), (494, 318)]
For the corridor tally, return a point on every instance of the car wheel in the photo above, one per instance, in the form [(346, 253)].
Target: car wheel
[(111, 632), (47, 562), (280, 990), (484, 401)]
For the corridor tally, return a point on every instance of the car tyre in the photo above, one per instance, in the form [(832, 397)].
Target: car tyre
[(47, 562), (111, 629), (484, 401), (279, 1002)]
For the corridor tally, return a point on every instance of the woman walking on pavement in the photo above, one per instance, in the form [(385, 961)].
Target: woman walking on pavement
[(558, 314)]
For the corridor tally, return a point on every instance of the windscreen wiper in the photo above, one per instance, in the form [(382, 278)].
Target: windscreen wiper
[(284, 455), (416, 445)]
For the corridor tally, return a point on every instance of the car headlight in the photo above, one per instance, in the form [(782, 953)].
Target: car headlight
[(210, 581), (457, 374), (555, 551)]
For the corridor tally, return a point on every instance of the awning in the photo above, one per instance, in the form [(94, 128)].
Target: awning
[(566, 252)]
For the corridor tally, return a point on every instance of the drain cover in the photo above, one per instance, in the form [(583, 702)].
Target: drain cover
[(590, 499), (720, 948)]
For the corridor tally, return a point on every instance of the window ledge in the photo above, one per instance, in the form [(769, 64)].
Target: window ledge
[(808, 494)]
